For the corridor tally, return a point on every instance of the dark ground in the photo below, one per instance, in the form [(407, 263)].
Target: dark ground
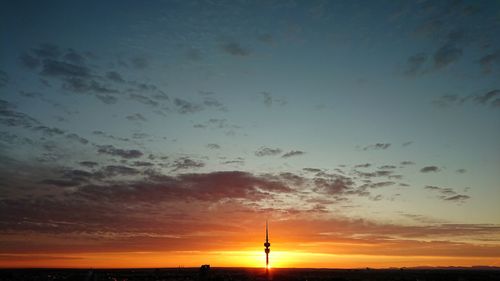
[(244, 274)]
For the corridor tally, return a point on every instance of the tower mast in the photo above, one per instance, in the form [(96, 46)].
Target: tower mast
[(267, 244)]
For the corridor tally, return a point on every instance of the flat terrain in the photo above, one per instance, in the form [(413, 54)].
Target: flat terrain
[(242, 274)]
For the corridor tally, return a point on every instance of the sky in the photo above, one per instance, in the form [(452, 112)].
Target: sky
[(165, 133)]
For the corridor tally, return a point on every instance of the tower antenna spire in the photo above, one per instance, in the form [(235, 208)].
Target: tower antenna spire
[(267, 232)]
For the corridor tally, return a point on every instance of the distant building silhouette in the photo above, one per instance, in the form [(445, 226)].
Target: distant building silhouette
[(204, 273)]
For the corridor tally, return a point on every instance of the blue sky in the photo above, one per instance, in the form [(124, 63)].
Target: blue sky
[(387, 111)]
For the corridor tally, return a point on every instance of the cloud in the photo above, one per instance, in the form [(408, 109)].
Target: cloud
[(136, 117), (312, 170), (89, 164), (73, 57), (184, 106), (377, 146), (448, 194), (42, 98), (118, 208), (124, 153), (390, 167), (461, 171), (488, 61), (14, 139), (269, 100), (87, 85), (451, 37), (448, 100), (49, 131), (185, 163), (457, 198), (47, 51), (428, 169), (333, 185), (10, 117), (293, 153), (379, 173), (107, 99), (381, 184), (446, 55), (71, 177), (206, 93), (237, 161), (213, 146), (214, 103), (29, 61), (235, 49), (445, 191), (143, 164), (408, 143), (211, 187), (103, 134), (266, 151), (415, 63), (216, 123), (144, 99), (76, 137), (114, 76), (63, 69), (74, 75), (492, 97), (117, 170), (365, 165), (60, 182), (140, 135), (449, 52)]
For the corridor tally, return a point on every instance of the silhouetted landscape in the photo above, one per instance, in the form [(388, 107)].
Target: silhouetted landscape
[(247, 274)]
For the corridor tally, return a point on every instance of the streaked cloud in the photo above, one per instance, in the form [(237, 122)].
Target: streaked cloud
[(293, 153), (267, 151), (429, 169)]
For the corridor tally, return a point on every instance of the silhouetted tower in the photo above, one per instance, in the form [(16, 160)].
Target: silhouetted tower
[(267, 244)]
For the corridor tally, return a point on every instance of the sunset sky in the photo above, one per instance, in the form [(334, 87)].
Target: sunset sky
[(165, 133)]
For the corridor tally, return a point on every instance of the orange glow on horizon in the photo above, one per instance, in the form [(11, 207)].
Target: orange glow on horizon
[(255, 259)]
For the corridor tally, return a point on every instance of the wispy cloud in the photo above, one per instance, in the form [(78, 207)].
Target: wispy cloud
[(269, 99), (377, 146), (448, 194), (186, 163), (136, 117), (415, 64), (267, 151), (213, 146), (489, 61), (235, 49), (293, 153), (184, 106), (490, 98), (124, 153), (429, 169)]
